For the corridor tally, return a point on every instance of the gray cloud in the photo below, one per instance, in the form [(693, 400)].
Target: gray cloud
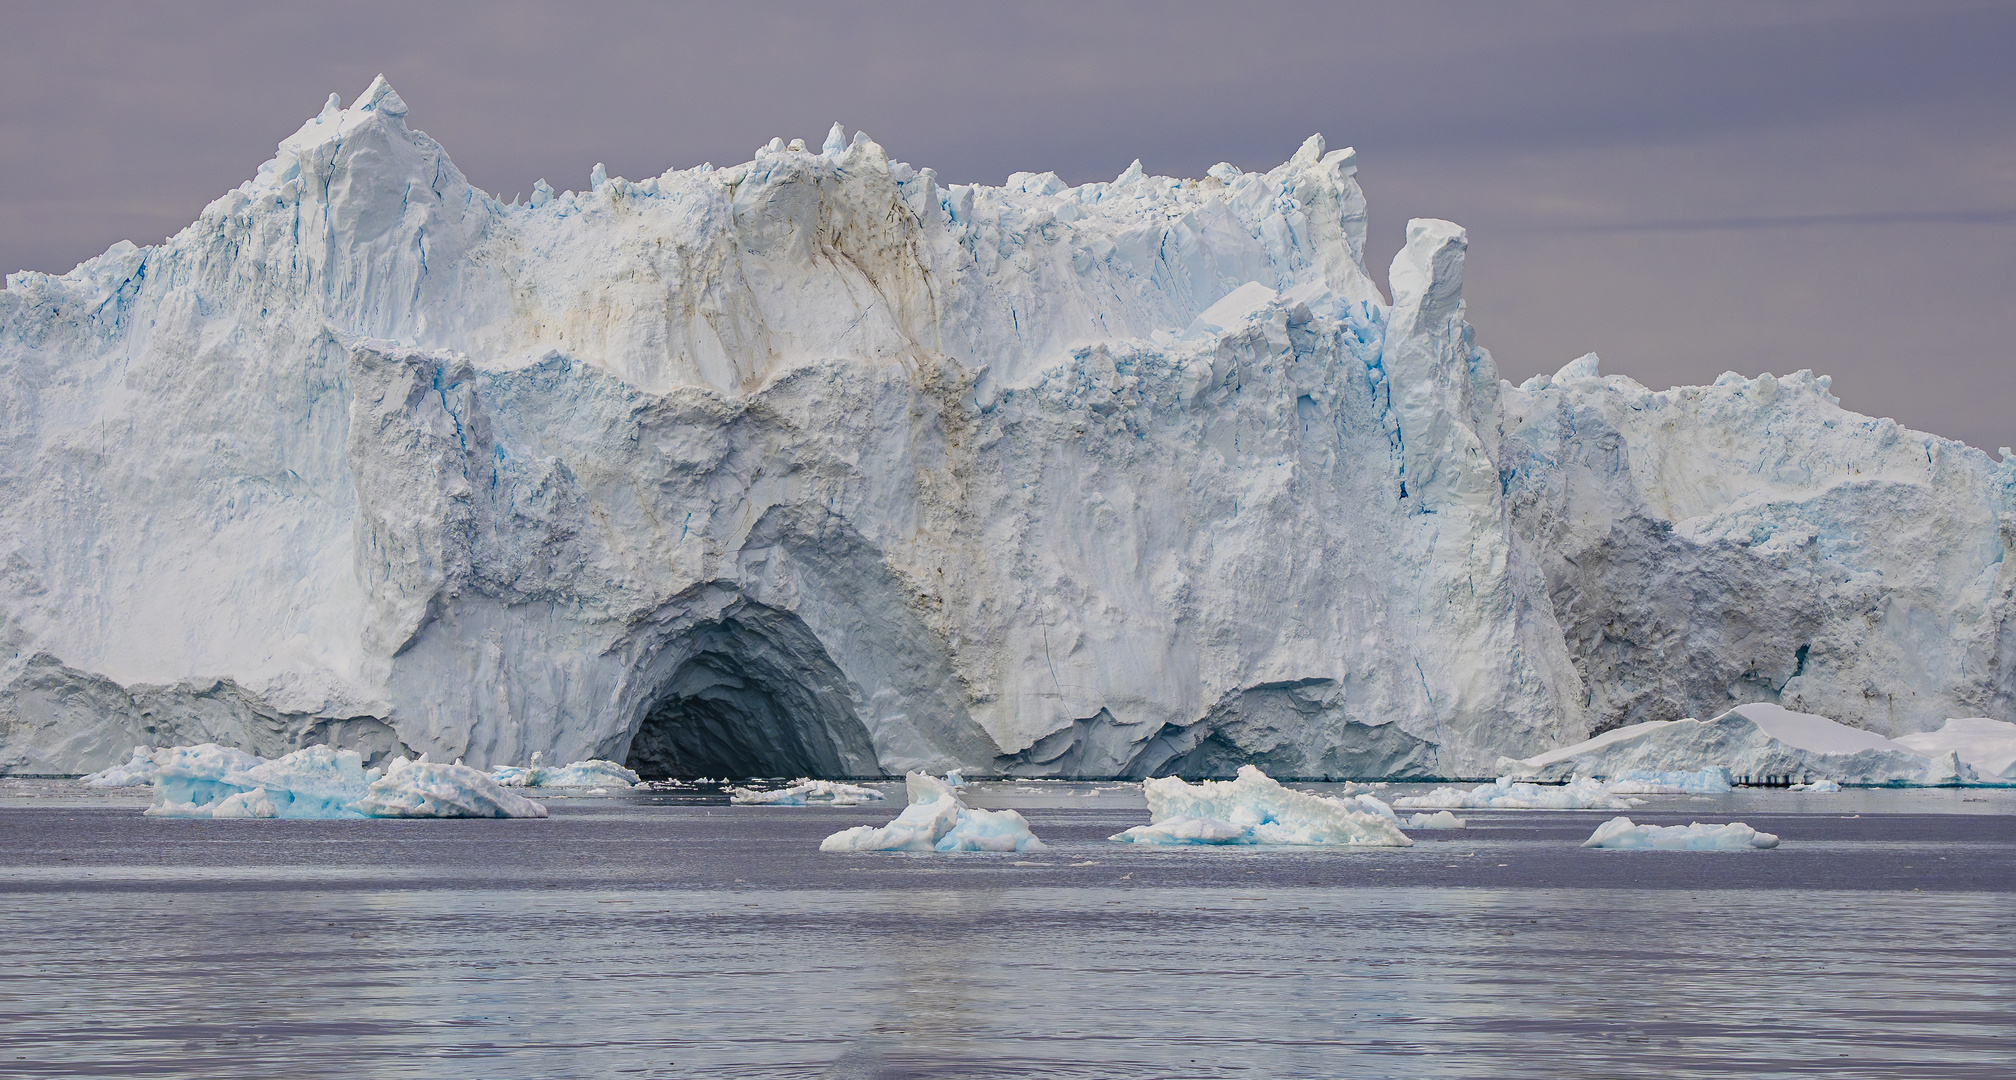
[(1686, 187)]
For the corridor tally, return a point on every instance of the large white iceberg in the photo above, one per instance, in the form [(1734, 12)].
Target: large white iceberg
[(814, 465), (1621, 834), (322, 782), (1253, 808), (1987, 745), (937, 820), (1756, 744)]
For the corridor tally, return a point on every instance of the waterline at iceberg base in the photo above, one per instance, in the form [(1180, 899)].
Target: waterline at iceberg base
[(814, 466)]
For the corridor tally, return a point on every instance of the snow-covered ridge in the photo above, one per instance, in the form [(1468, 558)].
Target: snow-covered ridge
[(812, 465)]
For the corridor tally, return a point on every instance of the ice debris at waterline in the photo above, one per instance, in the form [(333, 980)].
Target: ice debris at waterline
[(1508, 794), (1619, 833), (1987, 745), (1818, 787), (1440, 819), (815, 793), (322, 782), (1757, 744), (1710, 781), (1253, 808), (806, 465), (592, 773), (136, 771), (936, 820)]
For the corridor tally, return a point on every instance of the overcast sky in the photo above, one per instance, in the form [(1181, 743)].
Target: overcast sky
[(1684, 188)]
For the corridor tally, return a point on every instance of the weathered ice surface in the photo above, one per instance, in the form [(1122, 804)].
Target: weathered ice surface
[(813, 466)]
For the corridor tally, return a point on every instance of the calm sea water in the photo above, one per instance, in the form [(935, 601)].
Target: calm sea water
[(656, 936)]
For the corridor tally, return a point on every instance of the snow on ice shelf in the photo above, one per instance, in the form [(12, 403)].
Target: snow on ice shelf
[(1253, 808), (323, 782), (1620, 834), (1761, 744), (936, 820), (1987, 745)]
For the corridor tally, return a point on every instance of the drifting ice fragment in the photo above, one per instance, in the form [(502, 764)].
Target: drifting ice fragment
[(135, 772), (321, 782), (1508, 794), (806, 793), (1619, 833), (936, 820), (1255, 809), (1821, 787), (593, 772), (1440, 819)]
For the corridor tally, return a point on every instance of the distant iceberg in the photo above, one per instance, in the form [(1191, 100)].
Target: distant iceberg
[(936, 820), (137, 771), (591, 773), (1757, 744), (1987, 745), (322, 782), (1619, 833), (1509, 794), (1255, 809), (816, 793)]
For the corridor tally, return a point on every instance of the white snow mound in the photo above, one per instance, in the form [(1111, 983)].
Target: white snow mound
[(1620, 834), (936, 820), (1255, 809)]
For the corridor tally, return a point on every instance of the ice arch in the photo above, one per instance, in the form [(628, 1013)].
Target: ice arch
[(751, 693)]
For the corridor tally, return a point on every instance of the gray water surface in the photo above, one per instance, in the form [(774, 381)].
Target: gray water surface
[(652, 936)]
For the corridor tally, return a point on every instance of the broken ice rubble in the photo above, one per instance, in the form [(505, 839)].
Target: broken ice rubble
[(936, 820), (215, 781), (1619, 833), (814, 792), (591, 773), (1440, 819), (1509, 794), (1255, 809)]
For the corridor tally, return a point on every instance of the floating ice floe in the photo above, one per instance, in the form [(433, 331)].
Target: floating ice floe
[(591, 773), (1509, 794), (1987, 745), (1440, 819), (137, 771), (1758, 744), (1619, 833), (810, 793), (1254, 809), (1818, 786), (936, 820), (322, 782)]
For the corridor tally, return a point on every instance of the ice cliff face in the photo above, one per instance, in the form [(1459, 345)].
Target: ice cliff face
[(813, 465)]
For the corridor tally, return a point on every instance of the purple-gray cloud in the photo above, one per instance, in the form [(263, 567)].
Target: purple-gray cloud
[(1682, 187)]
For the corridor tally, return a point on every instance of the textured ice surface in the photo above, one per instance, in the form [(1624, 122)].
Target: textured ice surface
[(1509, 794), (1255, 809), (936, 820), (1757, 744), (811, 792), (321, 782), (136, 771), (584, 774), (1621, 834), (1987, 745), (1707, 781), (874, 473), (1440, 819), (1821, 787)]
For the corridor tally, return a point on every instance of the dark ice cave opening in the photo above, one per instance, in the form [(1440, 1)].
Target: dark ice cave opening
[(755, 695)]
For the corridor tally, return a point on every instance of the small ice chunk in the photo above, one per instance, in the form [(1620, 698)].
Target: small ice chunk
[(137, 771), (936, 820), (1822, 787), (1620, 834), (1509, 794), (1440, 819), (593, 772), (428, 789), (806, 793), (1707, 781), (321, 782), (1262, 812)]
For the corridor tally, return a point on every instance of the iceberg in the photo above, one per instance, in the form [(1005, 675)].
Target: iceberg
[(136, 771), (592, 773), (1440, 819), (1253, 808), (1989, 746), (1756, 744), (1709, 781), (936, 820), (1818, 787), (815, 465), (1620, 834), (815, 792), (321, 782), (1509, 794)]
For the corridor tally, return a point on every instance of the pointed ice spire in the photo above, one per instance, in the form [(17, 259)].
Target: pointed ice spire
[(1131, 174), (598, 177), (836, 140), (331, 109), (381, 97), (1311, 151), (542, 193)]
